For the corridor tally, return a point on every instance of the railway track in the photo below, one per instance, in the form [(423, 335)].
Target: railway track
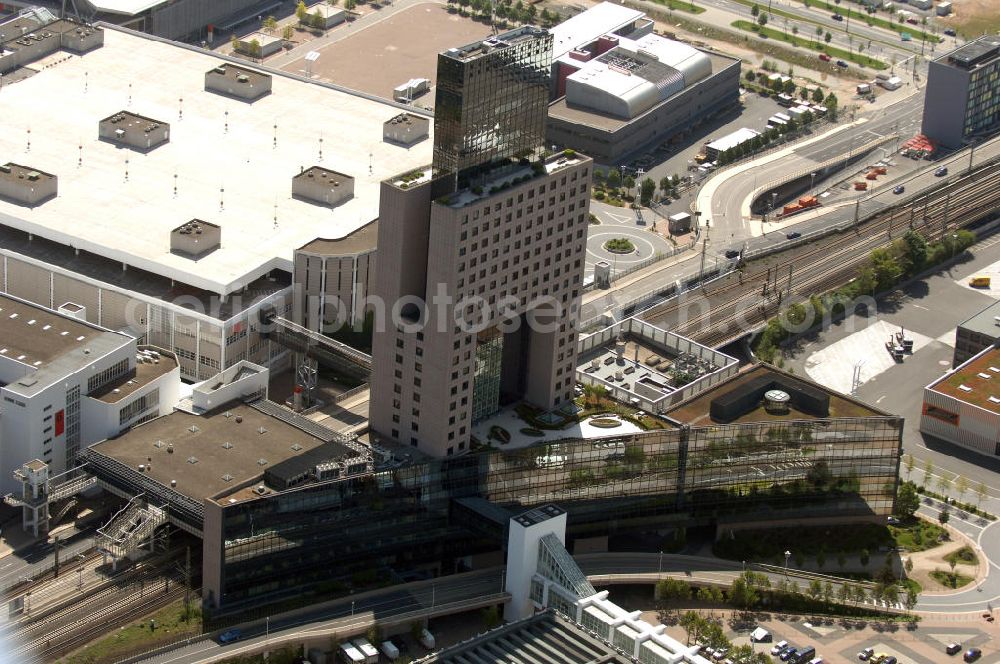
[(68, 638), (744, 303), (56, 631)]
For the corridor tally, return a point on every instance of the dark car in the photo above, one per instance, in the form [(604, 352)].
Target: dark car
[(841, 63), (793, 235), (950, 32), (889, 660), (229, 636), (953, 648), (836, 17), (898, 189), (732, 253), (972, 654), (941, 172), (790, 655)]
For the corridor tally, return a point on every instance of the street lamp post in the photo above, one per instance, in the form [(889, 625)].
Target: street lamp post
[(788, 554), (659, 566), (812, 181)]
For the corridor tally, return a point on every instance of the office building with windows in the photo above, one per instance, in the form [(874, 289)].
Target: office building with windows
[(976, 334), (66, 383), (963, 406), (487, 250), (963, 93), (290, 510)]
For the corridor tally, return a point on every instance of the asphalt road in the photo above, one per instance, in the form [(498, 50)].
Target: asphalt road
[(730, 228)]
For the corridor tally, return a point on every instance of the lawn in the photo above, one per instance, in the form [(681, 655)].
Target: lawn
[(808, 42), (964, 556), (172, 624), (870, 19), (916, 534), (769, 545), (681, 5), (949, 580)]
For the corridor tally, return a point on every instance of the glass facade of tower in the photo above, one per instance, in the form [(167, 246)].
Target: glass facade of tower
[(489, 363), (491, 101), (317, 538)]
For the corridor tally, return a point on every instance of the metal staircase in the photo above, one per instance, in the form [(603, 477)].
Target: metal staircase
[(130, 527)]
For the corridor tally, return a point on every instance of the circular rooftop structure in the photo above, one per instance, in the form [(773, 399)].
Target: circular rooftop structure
[(776, 401)]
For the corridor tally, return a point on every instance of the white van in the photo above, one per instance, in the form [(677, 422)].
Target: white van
[(367, 650), (390, 650), (350, 655)]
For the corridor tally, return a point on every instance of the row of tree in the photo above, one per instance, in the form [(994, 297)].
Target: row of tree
[(516, 12), (906, 257)]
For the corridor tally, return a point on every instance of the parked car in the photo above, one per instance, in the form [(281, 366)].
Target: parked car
[(950, 32), (719, 654), (789, 655), (898, 189), (912, 21), (866, 654), (953, 648), (734, 253), (229, 636), (972, 654), (841, 63), (824, 57), (836, 17), (779, 647), (889, 660), (793, 235), (941, 172), (891, 520)]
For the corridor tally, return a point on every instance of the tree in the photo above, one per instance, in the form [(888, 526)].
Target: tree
[(668, 590), (614, 178), (647, 189), (270, 24), (844, 593), (944, 516), (815, 589), (860, 594), (916, 249), (301, 12), (317, 20), (755, 10), (928, 471), (908, 463), (961, 486), (629, 182), (943, 485), (666, 184), (981, 494), (827, 37), (789, 86), (742, 593), (865, 557), (910, 599), (287, 33), (692, 624), (762, 20), (818, 95), (907, 500), (887, 268)]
